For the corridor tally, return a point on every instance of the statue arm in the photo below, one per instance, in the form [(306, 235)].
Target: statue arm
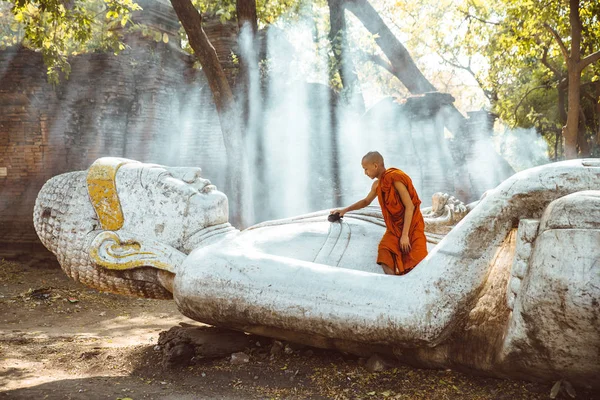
[(241, 287)]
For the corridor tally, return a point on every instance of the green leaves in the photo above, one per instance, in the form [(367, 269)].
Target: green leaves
[(59, 30), (268, 11)]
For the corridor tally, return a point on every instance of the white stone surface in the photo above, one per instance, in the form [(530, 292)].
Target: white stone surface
[(445, 212), (556, 311), (526, 234)]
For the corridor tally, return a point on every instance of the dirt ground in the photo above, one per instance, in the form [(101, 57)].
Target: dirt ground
[(61, 340)]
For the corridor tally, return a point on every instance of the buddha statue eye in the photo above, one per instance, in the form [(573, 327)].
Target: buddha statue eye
[(190, 175), (165, 174), (152, 176)]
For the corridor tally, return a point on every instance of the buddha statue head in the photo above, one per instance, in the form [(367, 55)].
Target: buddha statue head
[(123, 226)]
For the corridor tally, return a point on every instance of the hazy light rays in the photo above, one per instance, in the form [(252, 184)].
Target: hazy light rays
[(288, 134), (287, 158), (523, 148)]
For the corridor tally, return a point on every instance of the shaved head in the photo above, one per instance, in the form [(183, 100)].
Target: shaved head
[(372, 163), (373, 157)]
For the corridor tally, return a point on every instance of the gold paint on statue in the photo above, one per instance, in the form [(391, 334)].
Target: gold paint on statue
[(115, 249), (102, 189)]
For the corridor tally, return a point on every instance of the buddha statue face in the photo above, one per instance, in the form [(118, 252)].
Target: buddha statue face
[(122, 225), (166, 204)]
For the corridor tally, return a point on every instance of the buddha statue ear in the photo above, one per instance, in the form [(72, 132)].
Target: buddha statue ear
[(114, 248), (121, 251)]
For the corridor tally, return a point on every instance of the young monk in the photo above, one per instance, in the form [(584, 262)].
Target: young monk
[(404, 244)]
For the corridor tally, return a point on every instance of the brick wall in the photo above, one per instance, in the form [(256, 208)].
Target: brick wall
[(148, 104)]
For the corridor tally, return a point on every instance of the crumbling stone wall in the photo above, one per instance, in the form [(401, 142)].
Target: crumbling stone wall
[(413, 137), (148, 103)]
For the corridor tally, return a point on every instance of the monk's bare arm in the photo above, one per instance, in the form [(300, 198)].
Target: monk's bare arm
[(409, 209), (361, 203)]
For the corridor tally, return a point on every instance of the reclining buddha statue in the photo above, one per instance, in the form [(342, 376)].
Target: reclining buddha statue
[(511, 290)]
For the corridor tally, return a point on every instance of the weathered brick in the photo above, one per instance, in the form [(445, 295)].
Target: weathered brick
[(105, 108)]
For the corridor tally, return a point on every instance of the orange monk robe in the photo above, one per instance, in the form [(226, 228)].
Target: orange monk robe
[(393, 214)]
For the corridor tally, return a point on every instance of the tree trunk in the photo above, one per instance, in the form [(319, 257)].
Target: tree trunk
[(562, 101), (248, 26), (582, 142), (345, 67), (571, 130), (575, 66), (557, 139), (246, 14), (404, 67), (249, 96), (350, 94), (597, 111), (237, 186)]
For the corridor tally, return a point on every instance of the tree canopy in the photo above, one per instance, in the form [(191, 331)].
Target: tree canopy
[(510, 56), (60, 29), (515, 51)]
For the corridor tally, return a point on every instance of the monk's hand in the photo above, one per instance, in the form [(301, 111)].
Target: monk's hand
[(404, 244), (340, 211)]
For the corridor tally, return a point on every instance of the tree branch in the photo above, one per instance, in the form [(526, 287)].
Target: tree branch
[(488, 93), (562, 46), (588, 95), (405, 68), (375, 59), (547, 64), (592, 58), (525, 96), (471, 16), (455, 64)]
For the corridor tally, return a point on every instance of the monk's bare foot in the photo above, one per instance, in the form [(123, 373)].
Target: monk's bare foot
[(387, 270)]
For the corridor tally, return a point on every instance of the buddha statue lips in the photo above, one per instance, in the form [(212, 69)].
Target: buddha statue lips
[(493, 296)]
